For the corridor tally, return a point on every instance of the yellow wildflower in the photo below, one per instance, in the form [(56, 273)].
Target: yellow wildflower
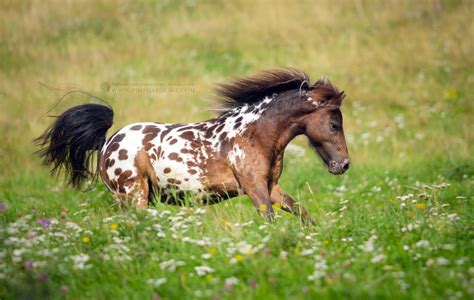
[(225, 222), (238, 258), (451, 94), (113, 226), (421, 206), (262, 207), (212, 251), (276, 206), (410, 213), (86, 239)]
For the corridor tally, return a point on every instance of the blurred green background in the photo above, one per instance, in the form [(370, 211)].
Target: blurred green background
[(406, 66)]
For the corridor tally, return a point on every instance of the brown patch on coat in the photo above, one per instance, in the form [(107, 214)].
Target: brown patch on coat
[(113, 185), (118, 138), (174, 181), (150, 129), (167, 170), (123, 154), (188, 135), (219, 128), (223, 136), (151, 132), (148, 146), (118, 171), (208, 133), (168, 130), (121, 180), (158, 152), (113, 147), (170, 186), (136, 127), (109, 162), (191, 164), (175, 156)]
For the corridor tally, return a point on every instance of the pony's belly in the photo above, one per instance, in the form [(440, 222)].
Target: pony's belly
[(177, 176)]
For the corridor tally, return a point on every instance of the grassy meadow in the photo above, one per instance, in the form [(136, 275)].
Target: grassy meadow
[(398, 225)]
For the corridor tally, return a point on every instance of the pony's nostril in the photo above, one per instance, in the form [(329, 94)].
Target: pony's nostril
[(345, 166)]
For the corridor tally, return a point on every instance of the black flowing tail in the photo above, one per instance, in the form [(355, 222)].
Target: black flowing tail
[(72, 139)]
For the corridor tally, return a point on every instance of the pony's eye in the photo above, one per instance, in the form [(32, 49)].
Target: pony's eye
[(334, 126)]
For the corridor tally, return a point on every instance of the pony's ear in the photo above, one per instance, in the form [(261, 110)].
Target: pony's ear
[(337, 100), (324, 94)]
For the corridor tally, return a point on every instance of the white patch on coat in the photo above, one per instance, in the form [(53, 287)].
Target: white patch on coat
[(236, 155), (247, 118)]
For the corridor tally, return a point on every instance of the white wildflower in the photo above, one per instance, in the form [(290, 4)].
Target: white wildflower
[(232, 281), (203, 270), (80, 261), (171, 264), (156, 282), (448, 247), (369, 244), (200, 211), (378, 258), (307, 252), (244, 248), (422, 244), (441, 261)]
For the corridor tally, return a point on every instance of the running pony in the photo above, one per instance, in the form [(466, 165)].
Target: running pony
[(238, 152)]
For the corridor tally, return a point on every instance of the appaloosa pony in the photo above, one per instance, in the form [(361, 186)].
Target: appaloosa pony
[(239, 152)]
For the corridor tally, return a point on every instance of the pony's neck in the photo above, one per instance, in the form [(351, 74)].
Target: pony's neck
[(287, 132), (280, 124), (274, 120)]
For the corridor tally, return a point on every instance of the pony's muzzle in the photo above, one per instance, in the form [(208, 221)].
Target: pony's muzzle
[(338, 168)]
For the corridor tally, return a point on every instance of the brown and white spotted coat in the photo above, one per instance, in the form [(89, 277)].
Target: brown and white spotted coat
[(240, 151), (197, 157)]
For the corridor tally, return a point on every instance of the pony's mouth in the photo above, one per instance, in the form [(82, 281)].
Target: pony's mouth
[(338, 168), (334, 167)]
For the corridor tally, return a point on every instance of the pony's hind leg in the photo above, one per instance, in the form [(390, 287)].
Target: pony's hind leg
[(133, 192), (140, 192), (146, 177)]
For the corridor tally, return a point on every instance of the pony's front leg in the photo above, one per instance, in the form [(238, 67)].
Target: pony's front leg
[(261, 201), (278, 195), (257, 190)]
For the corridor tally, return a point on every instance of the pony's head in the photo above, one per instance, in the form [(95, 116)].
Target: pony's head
[(313, 109), (323, 125)]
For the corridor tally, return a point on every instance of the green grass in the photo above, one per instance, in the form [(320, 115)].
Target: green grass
[(397, 225)]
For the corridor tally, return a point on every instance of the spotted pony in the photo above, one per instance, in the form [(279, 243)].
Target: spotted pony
[(238, 152)]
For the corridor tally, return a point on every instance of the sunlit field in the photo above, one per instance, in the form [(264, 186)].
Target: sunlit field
[(397, 225)]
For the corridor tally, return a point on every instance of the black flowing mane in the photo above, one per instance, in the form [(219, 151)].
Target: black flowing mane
[(248, 90)]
